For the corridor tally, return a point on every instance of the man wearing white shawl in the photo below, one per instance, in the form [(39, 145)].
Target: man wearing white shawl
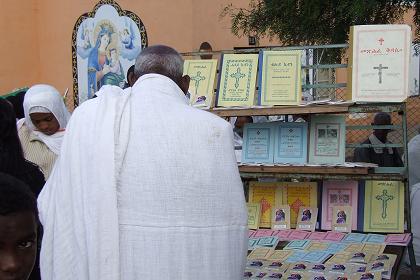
[(146, 187)]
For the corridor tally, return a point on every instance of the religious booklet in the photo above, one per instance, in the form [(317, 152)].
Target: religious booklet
[(338, 193), (236, 86), (280, 78), (306, 219), (254, 215), (379, 63), (258, 143), (342, 218), (268, 194), (383, 207), (279, 255), (202, 73), (260, 253), (299, 194), (280, 217), (327, 139), (291, 142)]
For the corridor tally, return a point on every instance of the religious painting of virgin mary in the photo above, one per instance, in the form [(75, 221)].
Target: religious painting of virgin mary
[(106, 43)]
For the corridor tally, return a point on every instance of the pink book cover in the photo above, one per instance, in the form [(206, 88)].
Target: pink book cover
[(263, 232), (298, 235), (317, 235), (284, 234), (251, 233), (397, 238), (338, 193), (275, 232), (334, 236)]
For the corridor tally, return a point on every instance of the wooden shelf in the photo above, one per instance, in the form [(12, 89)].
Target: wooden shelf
[(316, 172), (305, 169), (282, 110)]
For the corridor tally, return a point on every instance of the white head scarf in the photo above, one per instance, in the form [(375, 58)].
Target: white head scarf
[(46, 99)]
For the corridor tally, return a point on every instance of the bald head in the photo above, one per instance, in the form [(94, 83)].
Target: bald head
[(160, 59), (382, 118)]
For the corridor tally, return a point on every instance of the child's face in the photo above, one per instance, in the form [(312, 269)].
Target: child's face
[(45, 122), (114, 57), (18, 245)]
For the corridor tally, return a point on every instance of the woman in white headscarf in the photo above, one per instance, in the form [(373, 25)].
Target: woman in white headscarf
[(41, 131)]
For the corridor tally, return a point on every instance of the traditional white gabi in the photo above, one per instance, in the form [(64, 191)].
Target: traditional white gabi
[(146, 187)]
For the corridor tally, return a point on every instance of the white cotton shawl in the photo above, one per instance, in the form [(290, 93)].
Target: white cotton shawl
[(146, 187), (45, 98), (414, 160)]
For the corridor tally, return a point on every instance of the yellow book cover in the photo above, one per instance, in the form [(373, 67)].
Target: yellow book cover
[(384, 206), (237, 80), (280, 78), (299, 194), (254, 215), (268, 195), (379, 63), (202, 73)]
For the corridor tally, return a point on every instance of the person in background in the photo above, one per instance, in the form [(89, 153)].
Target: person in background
[(130, 77), (12, 160), (414, 181), (17, 102), (383, 157), (41, 131), (206, 47), (18, 229), (414, 160)]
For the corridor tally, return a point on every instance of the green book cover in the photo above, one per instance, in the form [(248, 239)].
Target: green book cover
[(237, 80), (327, 139), (384, 206), (202, 74)]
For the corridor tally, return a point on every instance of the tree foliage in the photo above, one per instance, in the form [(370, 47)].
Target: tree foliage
[(308, 22)]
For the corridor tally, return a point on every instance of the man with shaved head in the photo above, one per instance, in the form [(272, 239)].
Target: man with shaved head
[(146, 187)]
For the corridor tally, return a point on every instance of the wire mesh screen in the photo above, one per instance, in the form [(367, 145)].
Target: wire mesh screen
[(326, 78)]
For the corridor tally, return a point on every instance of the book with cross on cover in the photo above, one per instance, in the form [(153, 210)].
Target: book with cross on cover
[(268, 194), (202, 73), (297, 195), (379, 63), (383, 206), (236, 86)]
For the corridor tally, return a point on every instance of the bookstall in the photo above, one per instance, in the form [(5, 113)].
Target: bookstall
[(311, 213), (339, 174)]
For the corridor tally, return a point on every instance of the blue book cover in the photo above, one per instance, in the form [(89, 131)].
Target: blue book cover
[(219, 78), (361, 206), (260, 62), (375, 238), (297, 245), (334, 248), (316, 257), (296, 256), (268, 241), (354, 237), (291, 142), (258, 143)]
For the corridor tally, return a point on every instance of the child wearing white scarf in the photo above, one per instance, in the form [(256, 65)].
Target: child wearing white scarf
[(40, 147)]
